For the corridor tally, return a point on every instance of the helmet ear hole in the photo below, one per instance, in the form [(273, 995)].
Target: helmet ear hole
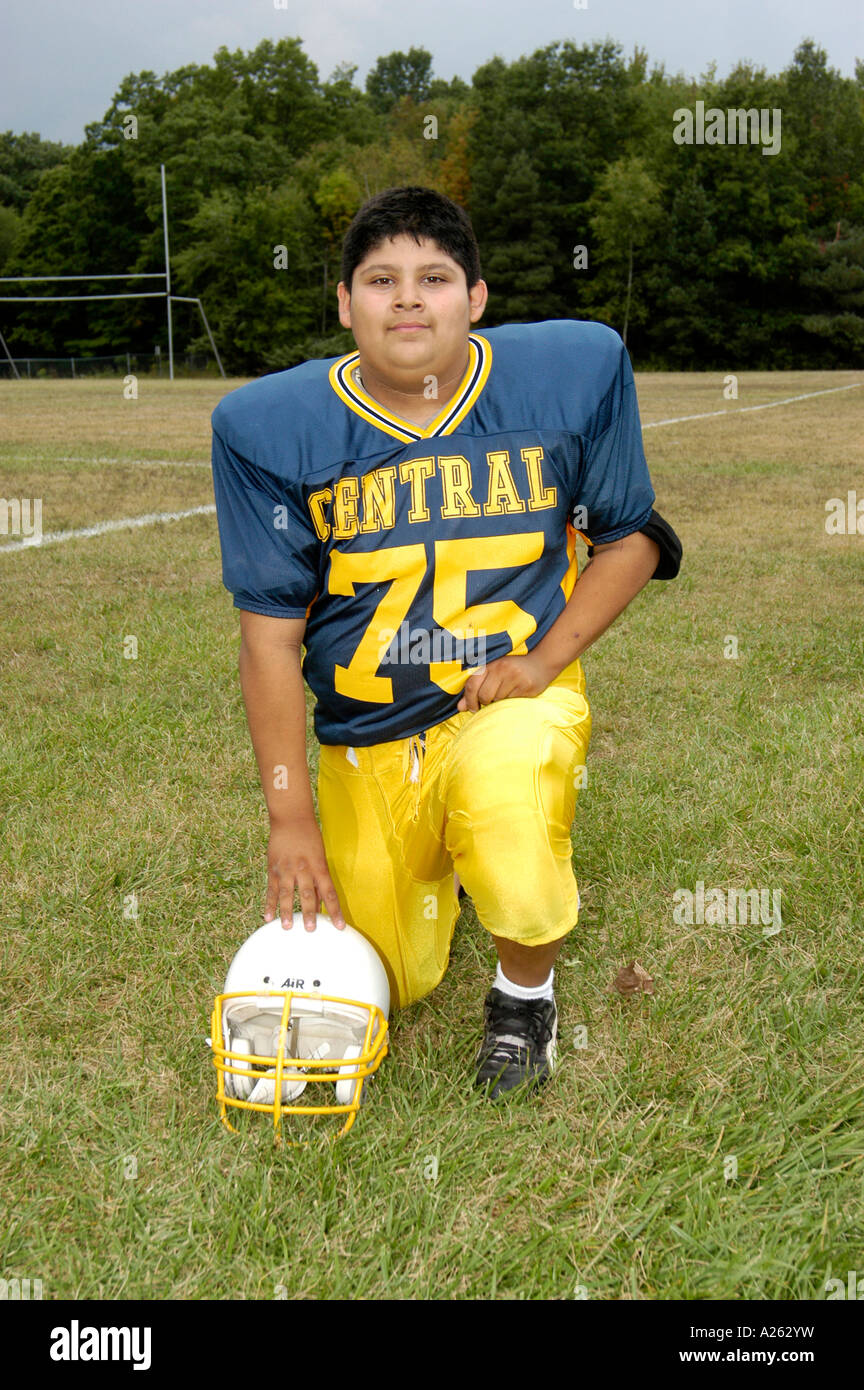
[(239, 1086), (345, 1090)]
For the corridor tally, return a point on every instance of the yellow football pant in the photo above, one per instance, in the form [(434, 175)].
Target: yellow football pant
[(491, 796)]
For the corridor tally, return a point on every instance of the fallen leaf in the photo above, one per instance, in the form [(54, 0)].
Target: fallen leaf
[(632, 979)]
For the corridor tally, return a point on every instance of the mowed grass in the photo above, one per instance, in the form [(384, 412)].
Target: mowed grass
[(133, 843)]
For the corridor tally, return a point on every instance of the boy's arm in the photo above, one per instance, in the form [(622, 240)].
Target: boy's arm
[(609, 581), (272, 683)]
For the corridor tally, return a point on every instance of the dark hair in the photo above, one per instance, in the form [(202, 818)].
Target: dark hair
[(412, 211)]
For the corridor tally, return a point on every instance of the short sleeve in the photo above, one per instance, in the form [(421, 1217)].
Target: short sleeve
[(615, 486), (269, 547)]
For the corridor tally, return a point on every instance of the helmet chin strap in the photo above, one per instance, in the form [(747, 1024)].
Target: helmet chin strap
[(264, 1091)]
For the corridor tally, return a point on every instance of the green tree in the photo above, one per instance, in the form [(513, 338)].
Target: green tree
[(256, 261), (722, 284), (822, 118), (624, 216), (398, 75), (703, 255), (567, 109), (81, 220), (239, 124), (10, 224), (518, 255), (685, 319), (23, 160), (834, 284), (351, 114)]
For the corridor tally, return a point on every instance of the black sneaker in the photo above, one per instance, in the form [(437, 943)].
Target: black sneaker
[(519, 1043)]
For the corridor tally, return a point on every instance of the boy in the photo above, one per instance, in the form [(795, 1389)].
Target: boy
[(409, 513)]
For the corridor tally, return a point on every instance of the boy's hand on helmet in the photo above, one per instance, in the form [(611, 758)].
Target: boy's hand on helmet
[(296, 860)]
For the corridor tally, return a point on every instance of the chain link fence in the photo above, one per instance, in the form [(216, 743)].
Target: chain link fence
[(115, 364)]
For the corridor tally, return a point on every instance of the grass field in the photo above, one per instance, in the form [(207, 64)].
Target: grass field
[(125, 777)]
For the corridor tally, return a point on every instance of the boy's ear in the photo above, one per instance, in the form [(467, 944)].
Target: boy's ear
[(477, 297), (344, 297)]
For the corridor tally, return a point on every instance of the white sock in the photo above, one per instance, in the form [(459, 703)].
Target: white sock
[(544, 991)]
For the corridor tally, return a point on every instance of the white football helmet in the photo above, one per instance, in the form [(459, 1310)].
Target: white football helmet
[(300, 1007)]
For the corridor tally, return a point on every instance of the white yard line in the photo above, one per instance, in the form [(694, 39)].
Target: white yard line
[(101, 527), (151, 518), (741, 409), (131, 463)]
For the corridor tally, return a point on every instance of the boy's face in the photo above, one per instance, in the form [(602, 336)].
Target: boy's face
[(410, 309)]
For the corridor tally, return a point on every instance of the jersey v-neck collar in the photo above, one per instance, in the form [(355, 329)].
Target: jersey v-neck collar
[(344, 383)]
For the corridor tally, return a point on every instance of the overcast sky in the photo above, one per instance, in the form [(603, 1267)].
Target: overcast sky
[(62, 60)]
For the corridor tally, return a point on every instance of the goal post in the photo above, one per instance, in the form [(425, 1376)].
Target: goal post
[(15, 371), (164, 293), (184, 299)]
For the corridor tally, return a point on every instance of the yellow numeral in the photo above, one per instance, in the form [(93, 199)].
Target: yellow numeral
[(402, 568), (454, 560)]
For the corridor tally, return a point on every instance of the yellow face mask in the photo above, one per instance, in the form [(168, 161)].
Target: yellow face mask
[(300, 1009), (268, 1048)]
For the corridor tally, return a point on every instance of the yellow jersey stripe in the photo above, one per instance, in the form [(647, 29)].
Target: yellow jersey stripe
[(349, 391)]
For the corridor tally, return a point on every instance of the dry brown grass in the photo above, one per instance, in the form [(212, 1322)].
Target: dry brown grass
[(91, 455)]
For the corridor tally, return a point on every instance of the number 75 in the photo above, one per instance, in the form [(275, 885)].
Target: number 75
[(404, 566)]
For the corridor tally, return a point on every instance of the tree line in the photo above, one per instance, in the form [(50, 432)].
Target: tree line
[(588, 199)]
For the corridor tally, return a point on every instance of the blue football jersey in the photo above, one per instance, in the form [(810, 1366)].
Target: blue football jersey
[(416, 553)]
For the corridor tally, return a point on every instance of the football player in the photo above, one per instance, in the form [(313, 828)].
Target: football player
[(409, 513)]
